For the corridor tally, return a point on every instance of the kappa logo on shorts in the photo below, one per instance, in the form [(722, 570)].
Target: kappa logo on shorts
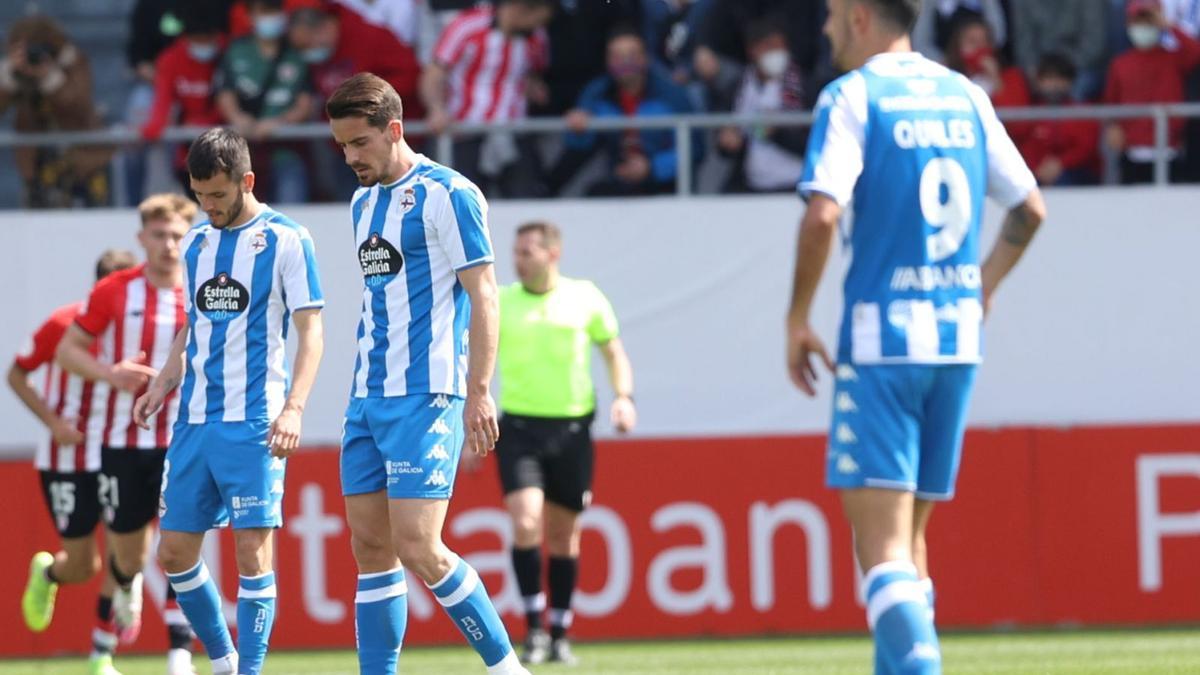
[(845, 403), (846, 464), (438, 452), (277, 487), (440, 402), (845, 434), (437, 479), (846, 374), (439, 426), (276, 464)]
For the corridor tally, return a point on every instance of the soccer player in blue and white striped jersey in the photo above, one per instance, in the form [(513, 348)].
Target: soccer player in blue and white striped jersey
[(419, 393), (916, 148), (248, 271)]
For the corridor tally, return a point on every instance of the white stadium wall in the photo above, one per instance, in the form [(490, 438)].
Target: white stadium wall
[(1100, 324)]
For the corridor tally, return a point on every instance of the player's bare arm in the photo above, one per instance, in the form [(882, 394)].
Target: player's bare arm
[(433, 95), (63, 430), (1020, 225), (129, 375), (479, 413), (817, 231), (620, 375), (285, 430), (149, 403)]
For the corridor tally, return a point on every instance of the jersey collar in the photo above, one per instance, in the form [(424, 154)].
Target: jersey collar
[(420, 161)]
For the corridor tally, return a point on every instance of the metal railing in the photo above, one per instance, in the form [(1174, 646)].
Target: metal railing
[(682, 125)]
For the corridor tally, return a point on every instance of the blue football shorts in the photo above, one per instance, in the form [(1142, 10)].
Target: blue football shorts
[(221, 472), (899, 427), (409, 445)]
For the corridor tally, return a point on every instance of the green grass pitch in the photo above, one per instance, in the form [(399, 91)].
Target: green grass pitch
[(1145, 652)]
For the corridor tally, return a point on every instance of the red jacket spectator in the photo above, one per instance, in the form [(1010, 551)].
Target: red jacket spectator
[(351, 45), (182, 79), (1073, 143), (1154, 75)]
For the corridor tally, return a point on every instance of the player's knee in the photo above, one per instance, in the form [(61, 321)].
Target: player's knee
[(372, 552), (173, 558), (420, 556), (527, 529)]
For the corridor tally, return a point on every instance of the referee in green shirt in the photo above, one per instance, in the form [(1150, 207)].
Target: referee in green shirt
[(548, 324)]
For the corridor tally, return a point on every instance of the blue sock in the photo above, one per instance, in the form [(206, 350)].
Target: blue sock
[(898, 613), (256, 617), (462, 595), (930, 595), (201, 604), (380, 616)]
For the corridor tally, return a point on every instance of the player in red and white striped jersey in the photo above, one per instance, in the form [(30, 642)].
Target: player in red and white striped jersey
[(484, 70), (131, 318), (68, 460)]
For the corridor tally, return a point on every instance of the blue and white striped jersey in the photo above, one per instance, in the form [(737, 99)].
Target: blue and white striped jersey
[(412, 237), (241, 286), (916, 147)]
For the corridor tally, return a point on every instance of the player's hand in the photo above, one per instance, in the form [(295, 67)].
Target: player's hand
[(470, 462), (65, 432), (479, 421), (147, 405), (284, 436), (802, 345), (132, 374), (623, 414), (438, 120)]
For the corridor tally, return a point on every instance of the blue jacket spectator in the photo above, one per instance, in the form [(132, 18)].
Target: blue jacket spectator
[(639, 161)]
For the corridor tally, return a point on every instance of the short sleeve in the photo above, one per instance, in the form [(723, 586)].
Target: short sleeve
[(462, 227), (602, 325), (39, 350), (100, 309), (834, 160), (455, 37), (301, 279), (1009, 179)]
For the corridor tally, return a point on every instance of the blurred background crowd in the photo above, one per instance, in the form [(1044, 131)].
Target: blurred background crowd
[(263, 65)]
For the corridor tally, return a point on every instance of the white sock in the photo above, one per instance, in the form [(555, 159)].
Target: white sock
[(509, 665), (226, 665)]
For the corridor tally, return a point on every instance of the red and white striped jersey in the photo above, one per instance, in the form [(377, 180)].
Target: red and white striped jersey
[(487, 70), (69, 396), (128, 315)]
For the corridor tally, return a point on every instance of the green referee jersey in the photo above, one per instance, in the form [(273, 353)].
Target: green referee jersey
[(546, 348)]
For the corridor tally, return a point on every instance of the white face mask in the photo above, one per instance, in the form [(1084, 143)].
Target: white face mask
[(270, 26), (1144, 35), (202, 51), (774, 63)]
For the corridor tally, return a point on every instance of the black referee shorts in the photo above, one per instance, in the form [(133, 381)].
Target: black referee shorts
[(554, 455)]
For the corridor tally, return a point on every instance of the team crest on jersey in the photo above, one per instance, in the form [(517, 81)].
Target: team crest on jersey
[(258, 243), (222, 298), (408, 199), (379, 259)]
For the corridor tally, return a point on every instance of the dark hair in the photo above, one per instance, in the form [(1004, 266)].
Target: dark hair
[(199, 19), (365, 95), (625, 29), (551, 235), (763, 28), (114, 260), (265, 4), (1056, 64), (218, 150), (900, 13), (310, 17)]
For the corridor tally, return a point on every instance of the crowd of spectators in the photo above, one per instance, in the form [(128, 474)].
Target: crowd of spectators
[(257, 65)]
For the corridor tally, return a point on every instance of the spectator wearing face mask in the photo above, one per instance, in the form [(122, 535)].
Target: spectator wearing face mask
[(767, 159), (262, 83), (972, 52), (1152, 71), (1060, 152), (939, 19), (640, 162), (183, 82), (1073, 28), (336, 43), (48, 81)]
